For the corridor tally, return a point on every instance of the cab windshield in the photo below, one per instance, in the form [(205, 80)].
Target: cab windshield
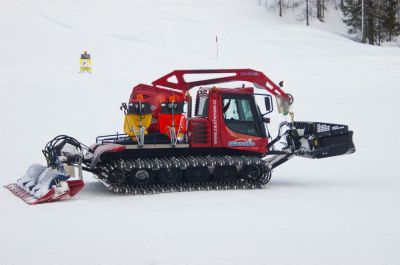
[(239, 114)]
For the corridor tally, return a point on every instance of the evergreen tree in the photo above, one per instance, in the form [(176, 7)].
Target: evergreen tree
[(390, 23), (379, 21), (352, 12), (360, 16), (371, 21)]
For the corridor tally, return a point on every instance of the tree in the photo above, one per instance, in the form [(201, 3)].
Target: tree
[(312, 9), (390, 23), (278, 4), (352, 11), (359, 16), (307, 13), (320, 4), (374, 20), (371, 21)]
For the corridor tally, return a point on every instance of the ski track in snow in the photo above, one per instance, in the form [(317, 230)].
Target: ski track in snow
[(342, 210), (45, 17)]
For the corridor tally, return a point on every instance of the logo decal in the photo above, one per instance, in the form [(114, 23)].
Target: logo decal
[(249, 74), (215, 121), (240, 142)]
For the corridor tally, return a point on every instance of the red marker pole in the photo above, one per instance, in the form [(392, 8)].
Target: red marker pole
[(216, 42)]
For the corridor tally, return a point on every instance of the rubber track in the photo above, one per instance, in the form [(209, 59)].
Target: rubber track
[(121, 167), (182, 187)]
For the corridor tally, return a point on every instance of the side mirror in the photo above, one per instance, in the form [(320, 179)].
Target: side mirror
[(269, 107)]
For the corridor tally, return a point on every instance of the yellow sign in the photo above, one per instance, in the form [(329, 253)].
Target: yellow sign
[(85, 65)]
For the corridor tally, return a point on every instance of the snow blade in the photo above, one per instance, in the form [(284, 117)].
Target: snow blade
[(321, 140), (44, 184)]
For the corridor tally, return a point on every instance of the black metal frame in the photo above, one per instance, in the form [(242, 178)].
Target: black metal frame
[(122, 138)]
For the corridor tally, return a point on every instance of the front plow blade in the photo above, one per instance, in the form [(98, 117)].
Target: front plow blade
[(321, 140), (41, 184)]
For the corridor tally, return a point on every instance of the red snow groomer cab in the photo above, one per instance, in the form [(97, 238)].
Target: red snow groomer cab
[(214, 138)]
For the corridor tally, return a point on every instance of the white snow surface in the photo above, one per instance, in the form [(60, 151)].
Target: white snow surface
[(342, 210)]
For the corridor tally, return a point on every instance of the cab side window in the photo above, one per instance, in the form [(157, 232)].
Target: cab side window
[(239, 112)]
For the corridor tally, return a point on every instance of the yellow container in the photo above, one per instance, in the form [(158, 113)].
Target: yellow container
[(132, 124)]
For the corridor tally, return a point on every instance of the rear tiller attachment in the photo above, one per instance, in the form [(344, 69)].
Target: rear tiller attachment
[(45, 184)]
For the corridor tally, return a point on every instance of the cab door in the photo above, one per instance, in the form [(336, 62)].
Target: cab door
[(243, 125)]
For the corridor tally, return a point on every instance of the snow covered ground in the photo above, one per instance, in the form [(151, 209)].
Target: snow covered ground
[(343, 210)]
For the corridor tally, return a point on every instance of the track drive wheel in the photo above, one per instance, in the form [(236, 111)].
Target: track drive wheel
[(252, 173), (141, 177), (114, 178), (266, 175), (170, 176), (197, 174), (225, 173)]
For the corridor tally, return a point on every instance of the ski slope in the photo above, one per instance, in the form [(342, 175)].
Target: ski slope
[(342, 210)]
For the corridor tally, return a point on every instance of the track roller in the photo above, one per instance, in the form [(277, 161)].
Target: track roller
[(141, 177), (169, 176), (225, 173), (197, 174)]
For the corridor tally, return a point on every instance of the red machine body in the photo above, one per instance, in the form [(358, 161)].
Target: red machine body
[(208, 129), (219, 134), (155, 97)]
